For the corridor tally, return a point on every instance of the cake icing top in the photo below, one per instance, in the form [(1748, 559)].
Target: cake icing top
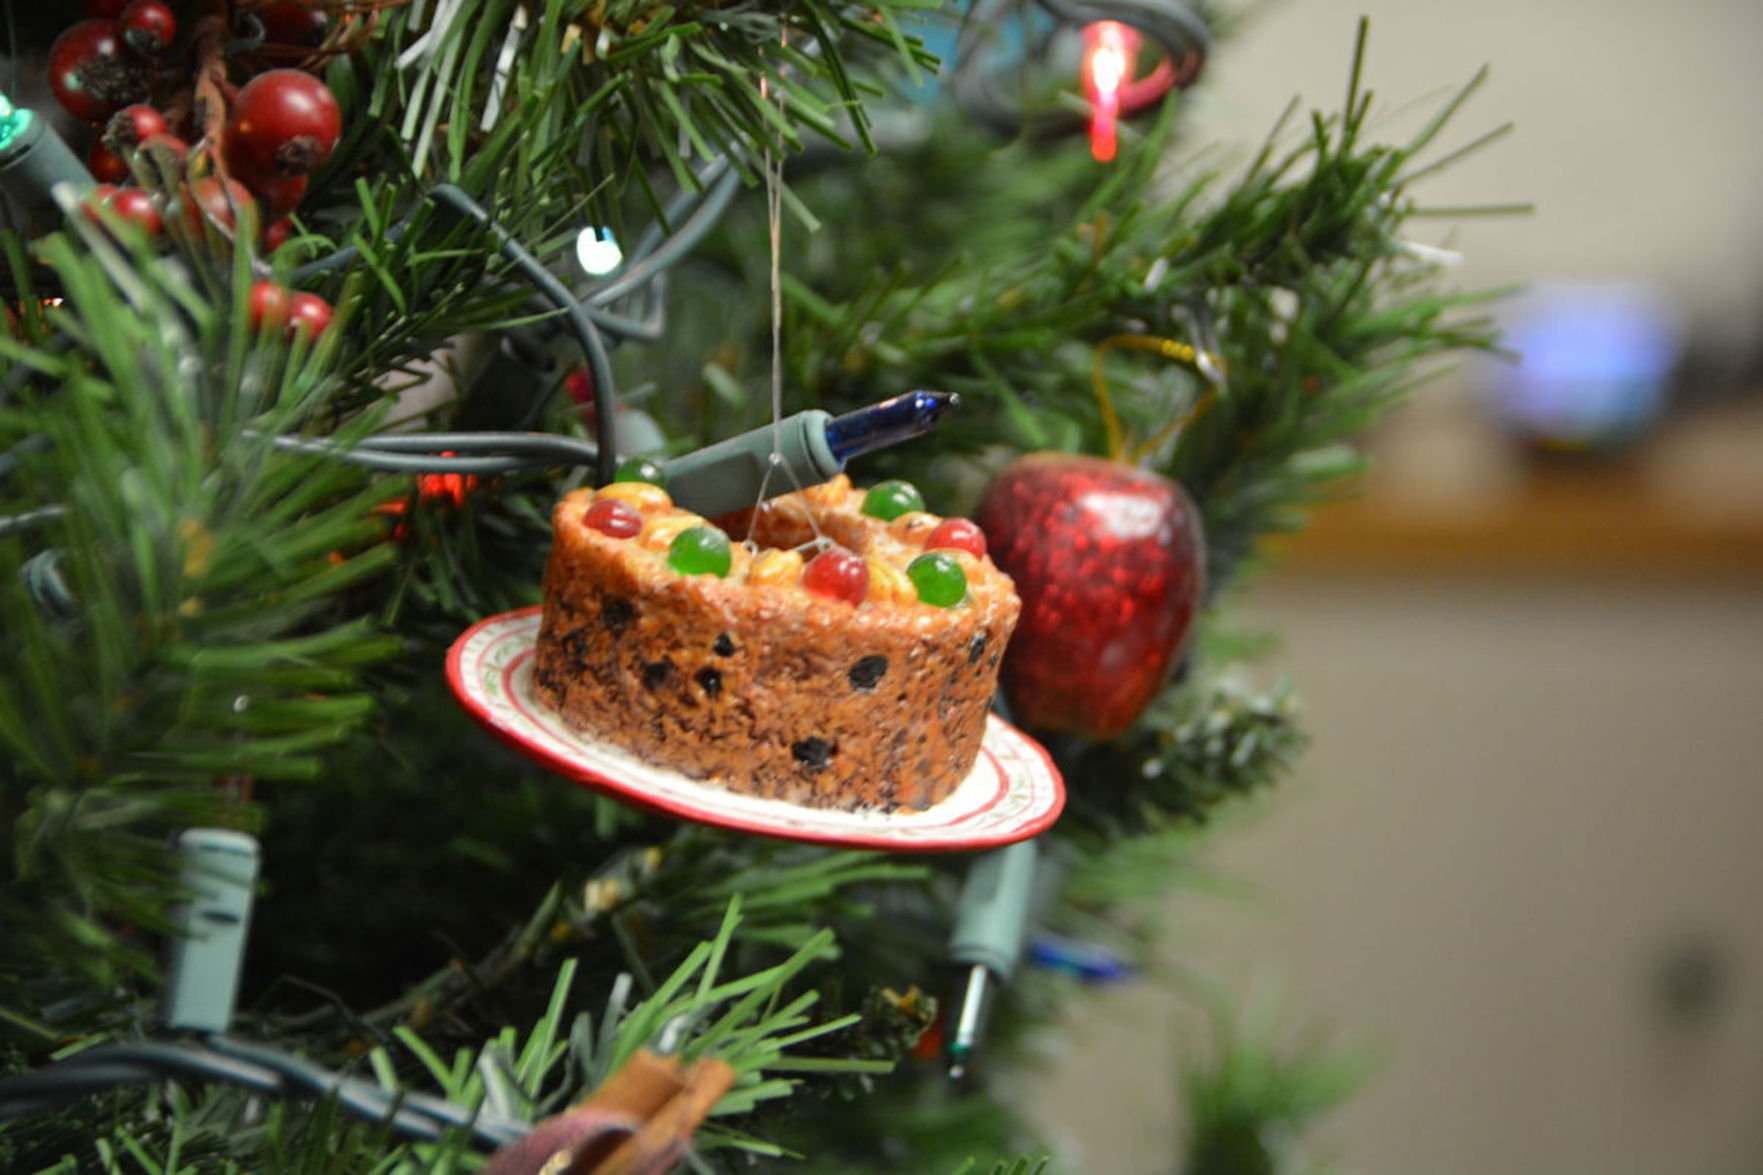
[(875, 549)]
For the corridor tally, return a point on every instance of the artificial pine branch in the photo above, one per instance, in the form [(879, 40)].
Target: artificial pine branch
[(180, 620)]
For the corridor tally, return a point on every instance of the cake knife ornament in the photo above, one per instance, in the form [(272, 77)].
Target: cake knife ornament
[(797, 451)]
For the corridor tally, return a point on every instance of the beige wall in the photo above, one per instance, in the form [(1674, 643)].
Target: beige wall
[(1520, 801)]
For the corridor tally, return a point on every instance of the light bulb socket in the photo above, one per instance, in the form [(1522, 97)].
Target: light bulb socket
[(34, 161)]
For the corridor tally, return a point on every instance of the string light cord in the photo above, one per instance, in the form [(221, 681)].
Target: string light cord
[(485, 454), (587, 335), (223, 1060), (691, 232)]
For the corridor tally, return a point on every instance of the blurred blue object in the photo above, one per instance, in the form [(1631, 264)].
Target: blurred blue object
[(1090, 962), (1593, 364)]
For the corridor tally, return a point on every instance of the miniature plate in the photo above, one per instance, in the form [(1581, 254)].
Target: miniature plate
[(1012, 793)]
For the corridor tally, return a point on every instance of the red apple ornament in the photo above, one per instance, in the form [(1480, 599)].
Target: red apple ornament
[(1110, 561)]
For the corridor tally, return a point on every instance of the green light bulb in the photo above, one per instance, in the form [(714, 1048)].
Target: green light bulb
[(13, 122)]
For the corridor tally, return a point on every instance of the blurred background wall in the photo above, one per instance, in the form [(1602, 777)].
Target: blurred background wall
[(1523, 860)]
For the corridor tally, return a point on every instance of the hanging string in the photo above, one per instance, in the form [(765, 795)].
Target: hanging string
[(773, 170), (774, 208)]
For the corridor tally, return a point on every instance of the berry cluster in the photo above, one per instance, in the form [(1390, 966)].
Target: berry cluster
[(197, 120)]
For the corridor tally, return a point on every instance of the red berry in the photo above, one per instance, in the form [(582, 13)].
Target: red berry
[(285, 123), (309, 314), (276, 234), (610, 516), (267, 306), (837, 574), (148, 26), (958, 534), (131, 125), (91, 72), (288, 23), (208, 201), (278, 194), (139, 208), (106, 166), (96, 198)]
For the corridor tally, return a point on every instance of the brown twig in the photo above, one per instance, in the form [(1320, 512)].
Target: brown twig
[(213, 89)]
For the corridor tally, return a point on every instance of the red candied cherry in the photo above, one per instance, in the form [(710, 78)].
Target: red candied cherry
[(267, 306), (957, 534), (148, 26), (837, 574), (131, 125), (92, 73), (138, 208), (105, 165), (285, 123), (208, 199), (308, 314), (276, 234), (610, 516)]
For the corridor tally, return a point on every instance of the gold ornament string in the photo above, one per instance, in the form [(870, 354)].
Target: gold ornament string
[(1186, 354)]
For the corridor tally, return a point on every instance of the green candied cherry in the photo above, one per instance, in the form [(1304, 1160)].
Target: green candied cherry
[(938, 578), (645, 469), (887, 500), (700, 550)]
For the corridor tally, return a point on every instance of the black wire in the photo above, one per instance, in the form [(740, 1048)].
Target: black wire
[(586, 334), (330, 262), (483, 453), (169, 1059), (682, 203), (253, 1067), (695, 228), (490, 1129), (358, 1097), (552, 448), (29, 1094), (406, 463)]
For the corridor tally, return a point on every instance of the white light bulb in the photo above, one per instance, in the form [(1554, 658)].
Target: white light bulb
[(598, 253)]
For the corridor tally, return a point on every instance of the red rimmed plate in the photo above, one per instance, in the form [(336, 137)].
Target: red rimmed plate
[(1013, 792)]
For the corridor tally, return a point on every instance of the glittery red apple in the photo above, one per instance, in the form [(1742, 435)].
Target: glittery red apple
[(1110, 561)]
